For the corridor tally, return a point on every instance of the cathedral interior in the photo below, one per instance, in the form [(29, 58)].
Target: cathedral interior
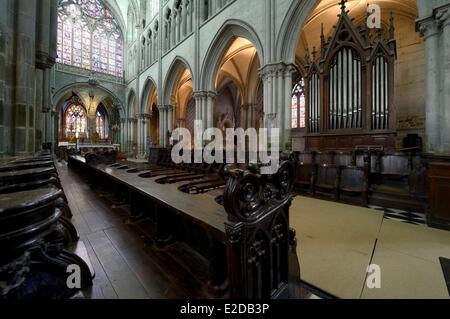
[(353, 97)]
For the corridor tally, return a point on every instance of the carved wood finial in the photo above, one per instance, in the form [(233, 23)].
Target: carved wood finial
[(380, 33), (314, 53), (322, 42), (392, 26), (343, 5), (307, 56)]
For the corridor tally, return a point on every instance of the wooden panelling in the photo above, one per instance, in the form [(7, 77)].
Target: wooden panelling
[(439, 192)]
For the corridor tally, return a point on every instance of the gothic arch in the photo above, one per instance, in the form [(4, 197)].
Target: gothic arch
[(291, 28), (114, 104), (173, 74), (149, 86), (130, 104), (230, 30)]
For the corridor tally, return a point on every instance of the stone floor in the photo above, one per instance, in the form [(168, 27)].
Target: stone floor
[(338, 242)]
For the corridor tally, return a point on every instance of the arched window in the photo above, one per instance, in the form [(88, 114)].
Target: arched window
[(299, 105), (101, 123), (89, 37), (75, 121)]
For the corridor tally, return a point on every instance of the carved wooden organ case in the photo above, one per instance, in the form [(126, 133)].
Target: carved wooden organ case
[(350, 87)]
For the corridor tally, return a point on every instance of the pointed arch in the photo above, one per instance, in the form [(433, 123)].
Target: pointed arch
[(229, 31), (173, 74), (149, 87), (131, 104), (291, 28)]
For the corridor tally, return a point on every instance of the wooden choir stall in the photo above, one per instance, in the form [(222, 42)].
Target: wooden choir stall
[(233, 219), (36, 234)]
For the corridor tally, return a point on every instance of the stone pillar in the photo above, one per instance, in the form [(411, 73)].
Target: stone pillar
[(172, 29), (430, 31), (267, 74), (210, 108), (177, 25), (184, 18), (128, 135), (277, 80), (169, 109), (200, 105), (23, 104), (287, 103), (54, 119), (443, 16), (146, 122), (162, 126), (138, 137), (190, 13), (122, 134)]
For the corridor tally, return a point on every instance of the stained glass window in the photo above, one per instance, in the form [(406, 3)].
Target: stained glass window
[(89, 37), (299, 105), (101, 123), (75, 121)]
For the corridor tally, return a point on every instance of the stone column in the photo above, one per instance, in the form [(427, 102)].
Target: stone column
[(183, 18), (210, 108), (172, 29), (190, 13), (268, 74), (287, 103), (22, 88), (54, 119), (162, 126), (177, 25), (138, 136), (122, 134), (145, 122), (200, 105), (443, 16), (127, 135), (430, 31), (277, 79), (169, 109)]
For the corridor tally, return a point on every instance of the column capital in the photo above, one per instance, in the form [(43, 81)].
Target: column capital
[(443, 16), (276, 69), (166, 107), (204, 94), (427, 27)]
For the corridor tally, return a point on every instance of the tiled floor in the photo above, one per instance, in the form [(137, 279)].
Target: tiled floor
[(402, 216)]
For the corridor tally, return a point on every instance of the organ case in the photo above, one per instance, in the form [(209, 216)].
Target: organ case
[(349, 88)]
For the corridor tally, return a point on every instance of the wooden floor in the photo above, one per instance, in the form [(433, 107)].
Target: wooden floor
[(126, 263)]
